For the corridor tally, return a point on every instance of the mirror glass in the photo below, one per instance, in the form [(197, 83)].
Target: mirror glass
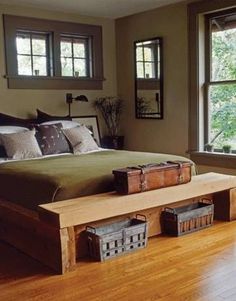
[(148, 78)]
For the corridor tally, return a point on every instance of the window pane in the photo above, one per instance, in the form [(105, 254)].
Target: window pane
[(40, 65), (148, 54), (222, 115), (39, 45), (23, 44), (24, 65), (149, 70), (80, 66), (75, 49), (66, 49), (140, 71), (66, 66), (224, 55), (139, 53), (79, 49)]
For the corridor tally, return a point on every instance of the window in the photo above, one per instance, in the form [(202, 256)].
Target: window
[(212, 81), (32, 54), (148, 59), (75, 56), (47, 54), (220, 129)]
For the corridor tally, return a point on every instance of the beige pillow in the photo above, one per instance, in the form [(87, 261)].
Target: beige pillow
[(80, 139), (21, 145)]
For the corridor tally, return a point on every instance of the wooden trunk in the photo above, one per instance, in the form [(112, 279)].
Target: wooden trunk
[(151, 176)]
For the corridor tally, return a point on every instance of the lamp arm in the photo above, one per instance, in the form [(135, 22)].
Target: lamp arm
[(70, 98)]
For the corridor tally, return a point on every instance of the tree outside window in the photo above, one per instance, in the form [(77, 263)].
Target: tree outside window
[(32, 53), (75, 57), (222, 84)]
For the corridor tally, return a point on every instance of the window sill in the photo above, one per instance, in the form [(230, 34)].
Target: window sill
[(214, 159), (53, 82), (148, 84)]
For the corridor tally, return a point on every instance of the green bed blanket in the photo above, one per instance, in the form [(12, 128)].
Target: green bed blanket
[(33, 182)]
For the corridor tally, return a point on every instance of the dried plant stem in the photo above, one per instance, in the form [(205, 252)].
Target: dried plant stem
[(110, 108)]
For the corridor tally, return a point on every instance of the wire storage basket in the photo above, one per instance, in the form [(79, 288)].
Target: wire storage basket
[(186, 219), (118, 238)]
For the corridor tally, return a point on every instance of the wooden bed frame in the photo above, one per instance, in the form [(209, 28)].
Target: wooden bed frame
[(55, 234)]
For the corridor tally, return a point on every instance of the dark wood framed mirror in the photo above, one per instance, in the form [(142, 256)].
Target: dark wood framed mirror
[(148, 56)]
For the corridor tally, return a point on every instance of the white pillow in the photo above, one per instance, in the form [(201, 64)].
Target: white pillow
[(66, 124), (80, 139), (5, 129), (2, 160), (22, 145), (12, 129)]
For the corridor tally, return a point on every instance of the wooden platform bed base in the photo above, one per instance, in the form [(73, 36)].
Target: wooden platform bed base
[(54, 234)]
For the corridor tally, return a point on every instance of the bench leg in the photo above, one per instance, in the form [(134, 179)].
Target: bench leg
[(225, 205), (68, 252), (233, 204)]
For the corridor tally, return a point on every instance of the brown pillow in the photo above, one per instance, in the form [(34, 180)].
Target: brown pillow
[(80, 139), (51, 139), (21, 145), (43, 117), (15, 121)]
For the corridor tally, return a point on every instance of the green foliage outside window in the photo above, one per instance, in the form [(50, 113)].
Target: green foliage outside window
[(223, 96)]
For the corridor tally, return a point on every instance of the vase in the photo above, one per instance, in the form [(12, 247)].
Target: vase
[(113, 142)]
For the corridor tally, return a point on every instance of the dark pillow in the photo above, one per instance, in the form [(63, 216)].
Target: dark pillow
[(43, 117), (15, 121), (51, 139), (3, 153)]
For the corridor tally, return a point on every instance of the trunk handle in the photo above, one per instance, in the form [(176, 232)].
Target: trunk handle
[(141, 215), (91, 228), (170, 210)]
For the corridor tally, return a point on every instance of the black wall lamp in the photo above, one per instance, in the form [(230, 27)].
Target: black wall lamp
[(70, 99)]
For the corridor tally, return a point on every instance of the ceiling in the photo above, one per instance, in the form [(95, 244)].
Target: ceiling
[(97, 8)]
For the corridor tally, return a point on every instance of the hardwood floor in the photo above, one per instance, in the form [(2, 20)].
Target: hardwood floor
[(197, 267)]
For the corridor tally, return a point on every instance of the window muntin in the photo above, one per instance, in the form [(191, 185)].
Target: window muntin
[(75, 59), (32, 53), (148, 59), (221, 92)]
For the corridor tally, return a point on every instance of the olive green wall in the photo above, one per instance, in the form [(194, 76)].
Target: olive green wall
[(171, 134), (24, 102)]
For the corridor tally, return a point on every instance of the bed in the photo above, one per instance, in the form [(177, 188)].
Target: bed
[(47, 202), (55, 178), (69, 188)]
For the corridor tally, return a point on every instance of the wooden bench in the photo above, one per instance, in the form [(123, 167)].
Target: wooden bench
[(55, 235)]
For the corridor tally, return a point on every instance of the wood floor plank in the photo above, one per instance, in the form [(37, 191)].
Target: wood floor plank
[(197, 267)]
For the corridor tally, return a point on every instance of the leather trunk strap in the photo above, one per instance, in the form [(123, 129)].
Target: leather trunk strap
[(143, 169), (180, 170)]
